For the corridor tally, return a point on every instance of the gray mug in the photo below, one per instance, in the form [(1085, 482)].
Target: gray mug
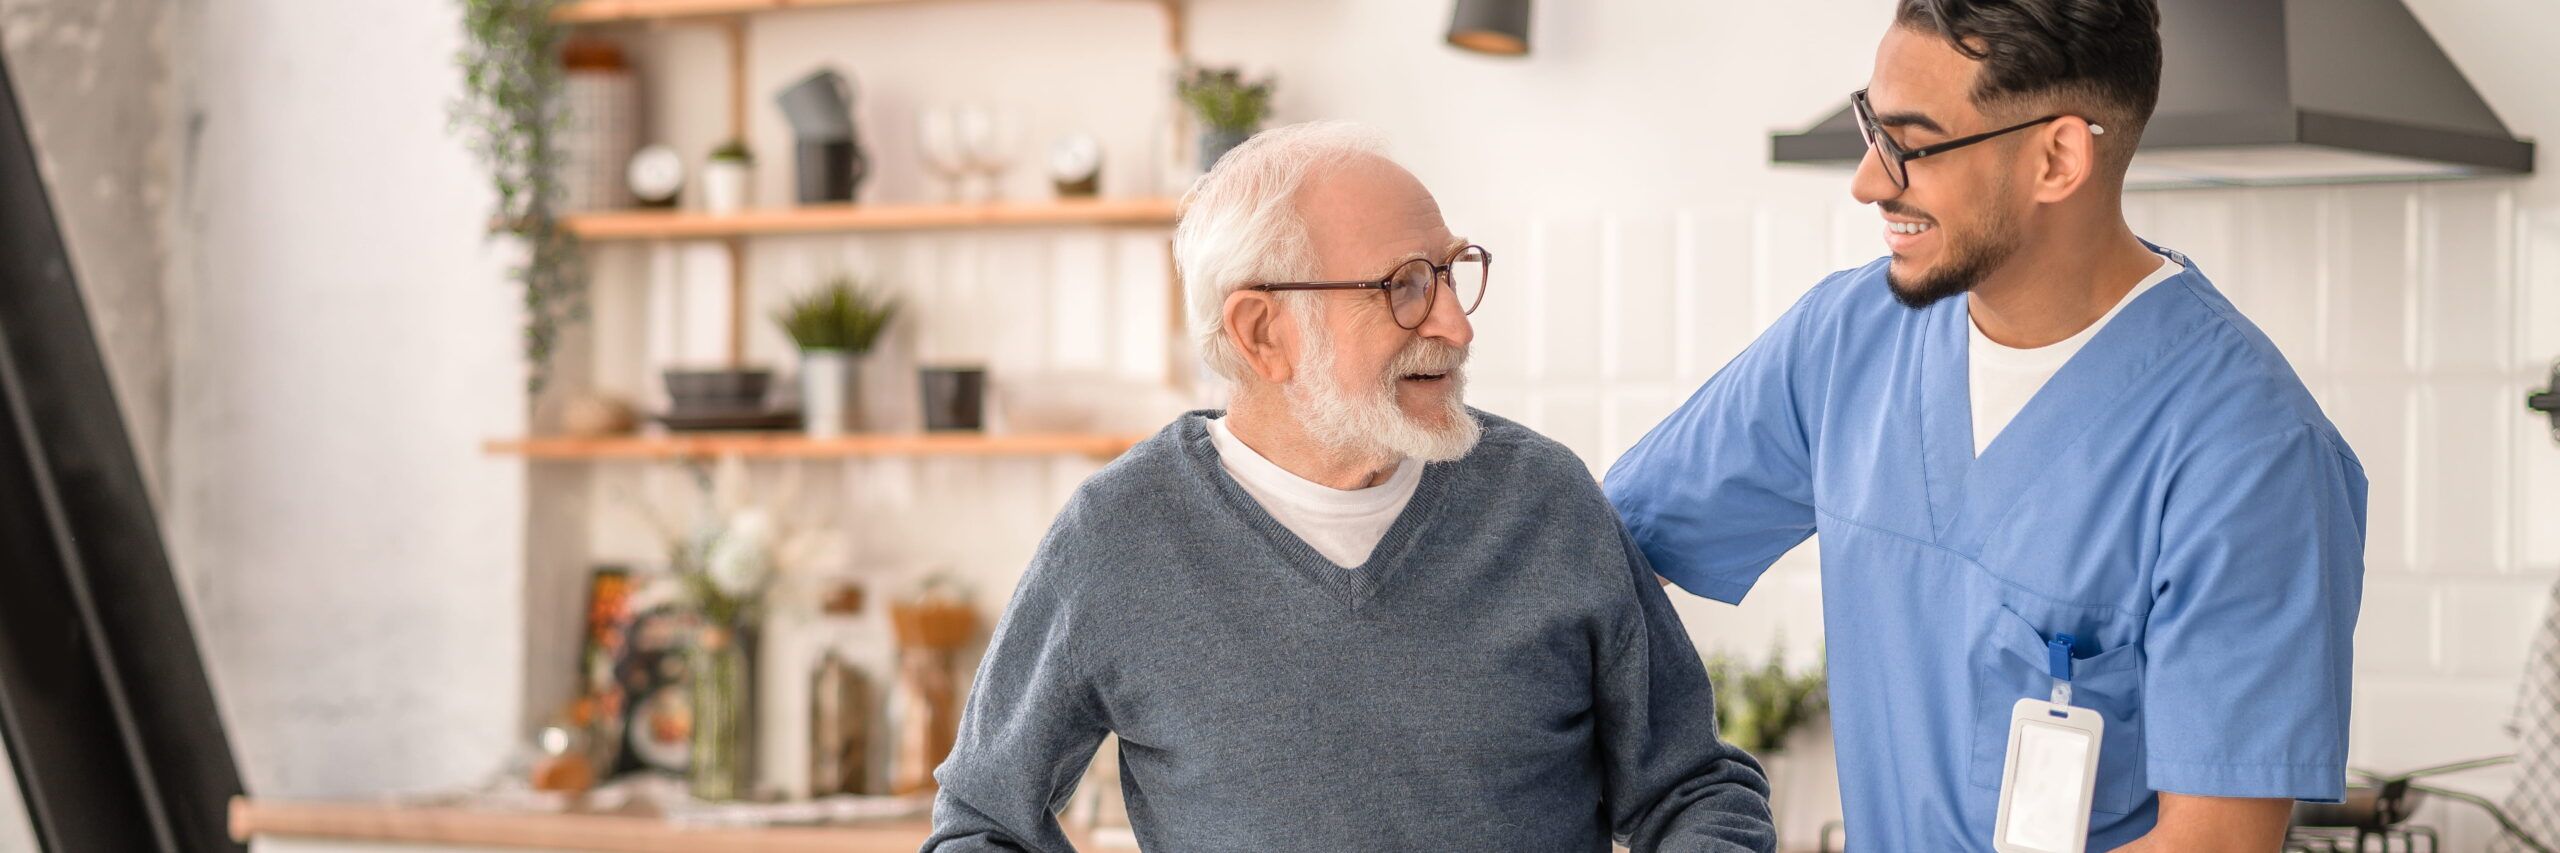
[(819, 107)]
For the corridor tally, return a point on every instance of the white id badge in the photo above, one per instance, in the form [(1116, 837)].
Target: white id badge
[(2049, 778)]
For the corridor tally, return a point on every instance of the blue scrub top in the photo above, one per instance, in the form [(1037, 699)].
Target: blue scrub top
[(2172, 498)]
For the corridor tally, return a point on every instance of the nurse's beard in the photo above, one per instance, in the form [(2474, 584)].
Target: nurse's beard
[(1958, 274), (1966, 264), (1366, 421)]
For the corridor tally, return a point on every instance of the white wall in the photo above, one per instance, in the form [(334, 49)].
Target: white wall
[(342, 343), (351, 342)]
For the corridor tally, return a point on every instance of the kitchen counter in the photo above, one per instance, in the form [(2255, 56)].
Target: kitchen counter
[(278, 827)]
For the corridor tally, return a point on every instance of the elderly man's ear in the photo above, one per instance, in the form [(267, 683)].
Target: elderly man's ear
[(1253, 322)]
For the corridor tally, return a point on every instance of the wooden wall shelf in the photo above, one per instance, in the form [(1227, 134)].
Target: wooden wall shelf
[(629, 11), (615, 11), (792, 445), (834, 218), (606, 833)]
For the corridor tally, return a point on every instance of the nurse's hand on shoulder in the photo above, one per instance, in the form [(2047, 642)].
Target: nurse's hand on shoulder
[(2215, 825)]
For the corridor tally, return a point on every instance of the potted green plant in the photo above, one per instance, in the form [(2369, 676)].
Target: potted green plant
[(725, 178), (1756, 708), (511, 115), (834, 326), (1230, 108)]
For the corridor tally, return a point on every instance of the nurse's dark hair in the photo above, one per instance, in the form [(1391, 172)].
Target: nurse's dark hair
[(2098, 59)]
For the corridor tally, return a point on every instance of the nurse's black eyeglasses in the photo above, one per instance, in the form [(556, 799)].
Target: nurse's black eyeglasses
[(1897, 159), (1411, 288)]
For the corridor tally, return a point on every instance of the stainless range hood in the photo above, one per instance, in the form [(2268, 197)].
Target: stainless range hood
[(2277, 92)]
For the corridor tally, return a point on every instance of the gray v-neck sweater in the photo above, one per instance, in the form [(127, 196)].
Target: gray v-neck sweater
[(1502, 675)]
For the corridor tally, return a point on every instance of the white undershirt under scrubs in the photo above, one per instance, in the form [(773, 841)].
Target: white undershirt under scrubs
[(2004, 378)]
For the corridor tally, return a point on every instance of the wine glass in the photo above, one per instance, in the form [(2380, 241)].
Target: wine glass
[(989, 137), (938, 138)]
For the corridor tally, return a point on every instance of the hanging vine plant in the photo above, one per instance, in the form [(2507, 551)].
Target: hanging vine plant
[(510, 111)]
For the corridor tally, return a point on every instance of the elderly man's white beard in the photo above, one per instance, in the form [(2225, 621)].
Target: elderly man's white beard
[(1366, 421)]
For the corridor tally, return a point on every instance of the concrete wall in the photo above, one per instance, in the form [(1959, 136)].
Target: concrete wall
[(93, 79)]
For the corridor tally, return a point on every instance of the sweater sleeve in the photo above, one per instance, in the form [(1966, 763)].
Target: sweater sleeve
[(1032, 723), (1673, 783)]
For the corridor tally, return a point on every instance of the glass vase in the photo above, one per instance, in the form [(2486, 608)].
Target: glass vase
[(724, 742)]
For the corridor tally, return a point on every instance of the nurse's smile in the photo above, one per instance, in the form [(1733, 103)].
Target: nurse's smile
[(1905, 236)]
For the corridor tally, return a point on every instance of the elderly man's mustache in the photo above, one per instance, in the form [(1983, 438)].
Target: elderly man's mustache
[(1426, 357)]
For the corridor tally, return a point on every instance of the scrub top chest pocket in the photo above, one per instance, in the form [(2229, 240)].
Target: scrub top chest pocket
[(2009, 664)]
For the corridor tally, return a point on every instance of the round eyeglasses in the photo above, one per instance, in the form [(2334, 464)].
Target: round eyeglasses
[(1412, 288)]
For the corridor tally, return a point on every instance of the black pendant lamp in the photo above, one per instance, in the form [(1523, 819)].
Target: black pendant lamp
[(1495, 27)]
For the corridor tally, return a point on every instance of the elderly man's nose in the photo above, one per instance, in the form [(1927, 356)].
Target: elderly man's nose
[(1448, 321)]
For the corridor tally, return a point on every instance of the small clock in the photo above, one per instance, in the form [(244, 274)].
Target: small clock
[(1075, 166), (656, 176)]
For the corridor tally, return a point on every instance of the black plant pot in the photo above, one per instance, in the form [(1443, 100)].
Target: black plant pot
[(954, 398), (717, 390)]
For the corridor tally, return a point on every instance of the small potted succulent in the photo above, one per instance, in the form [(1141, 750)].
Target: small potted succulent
[(1229, 107), (834, 326), (725, 178)]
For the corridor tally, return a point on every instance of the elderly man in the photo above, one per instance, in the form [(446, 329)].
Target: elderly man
[(1350, 613)]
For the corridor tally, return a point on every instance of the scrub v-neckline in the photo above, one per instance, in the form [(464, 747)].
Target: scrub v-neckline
[(1970, 495), (1354, 586)]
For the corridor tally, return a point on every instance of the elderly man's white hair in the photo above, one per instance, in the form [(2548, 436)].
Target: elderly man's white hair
[(1241, 225)]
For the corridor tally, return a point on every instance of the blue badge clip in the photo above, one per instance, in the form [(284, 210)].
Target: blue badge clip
[(2057, 662)]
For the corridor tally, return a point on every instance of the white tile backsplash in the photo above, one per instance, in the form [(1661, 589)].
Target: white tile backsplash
[(2372, 302), (2466, 251), (2401, 627), (2490, 625), (1567, 345), (1718, 311), (2459, 495), (2405, 724), (1639, 325)]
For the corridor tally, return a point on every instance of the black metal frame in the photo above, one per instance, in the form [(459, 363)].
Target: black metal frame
[(1897, 159), (105, 707)]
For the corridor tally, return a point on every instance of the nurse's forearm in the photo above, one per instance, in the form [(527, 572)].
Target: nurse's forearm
[(2215, 825)]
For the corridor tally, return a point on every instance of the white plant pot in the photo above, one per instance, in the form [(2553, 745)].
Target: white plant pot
[(724, 187), (828, 405)]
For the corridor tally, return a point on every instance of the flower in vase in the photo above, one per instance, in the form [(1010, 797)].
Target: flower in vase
[(741, 558)]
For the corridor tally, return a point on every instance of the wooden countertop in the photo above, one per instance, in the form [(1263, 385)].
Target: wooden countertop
[(608, 833)]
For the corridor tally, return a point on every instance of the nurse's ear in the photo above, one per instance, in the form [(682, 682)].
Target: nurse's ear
[(1253, 323), (2070, 149)]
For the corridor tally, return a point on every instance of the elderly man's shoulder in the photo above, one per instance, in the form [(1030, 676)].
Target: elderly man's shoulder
[(1522, 452), (1163, 479), (1140, 474), (1116, 519)]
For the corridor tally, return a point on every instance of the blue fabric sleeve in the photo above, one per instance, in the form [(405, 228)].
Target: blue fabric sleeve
[(2249, 646), (1724, 486)]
